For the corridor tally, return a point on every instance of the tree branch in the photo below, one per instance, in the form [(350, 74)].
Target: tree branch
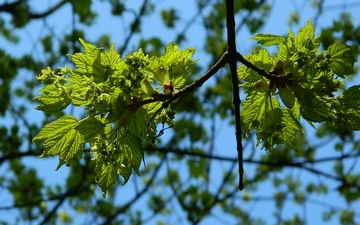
[(248, 64), (230, 24), (4, 158), (136, 197), (14, 9), (167, 99), (273, 164), (200, 81)]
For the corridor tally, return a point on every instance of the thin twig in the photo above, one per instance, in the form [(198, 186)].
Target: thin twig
[(121, 210), (248, 64), (199, 82)]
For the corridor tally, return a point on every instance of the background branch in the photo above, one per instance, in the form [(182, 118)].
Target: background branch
[(17, 7)]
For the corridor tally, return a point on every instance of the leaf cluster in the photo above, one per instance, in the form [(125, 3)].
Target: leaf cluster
[(123, 99), (305, 79)]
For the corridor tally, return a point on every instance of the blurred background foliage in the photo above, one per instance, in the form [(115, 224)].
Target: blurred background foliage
[(191, 177)]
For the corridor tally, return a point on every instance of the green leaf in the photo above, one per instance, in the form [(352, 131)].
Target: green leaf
[(110, 57), (130, 156), (283, 53), (352, 118), (342, 60), (178, 74), (253, 110), (261, 59), (105, 175), (80, 95), (117, 78), (60, 138), (125, 118), (141, 124), (291, 127), (290, 41), (89, 67), (121, 159), (314, 109), (91, 127), (177, 62), (305, 33), (53, 99), (89, 49), (117, 102), (89, 64), (153, 107), (351, 97), (268, 131), (268, 39)]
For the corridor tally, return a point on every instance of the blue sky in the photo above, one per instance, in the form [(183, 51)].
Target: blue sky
[(225, 142)]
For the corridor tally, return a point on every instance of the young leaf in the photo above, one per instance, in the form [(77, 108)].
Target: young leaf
[(342, 60), (314, 109), (53, 99), (90, 128), (305, 33), (60, 138), (130, 156), (89, 64), (110, 57), (177, 62), (261, 59), (268, 39), (253, 110), (350, 118), (90, 50), (283, 53), (291, 127), (89, 67), (105, 175), (117, 102), (351, 97), (79, 94), (141, 124)]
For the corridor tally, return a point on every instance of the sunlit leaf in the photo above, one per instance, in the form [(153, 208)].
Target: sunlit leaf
[(106, 175), (268, 39), (305, 33), (53, 99), (90, 127), (60, 138), (342, 60)]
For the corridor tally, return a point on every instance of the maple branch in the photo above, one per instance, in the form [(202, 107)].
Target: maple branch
[(231, 49), (200, 81), (248, 64), (167, 99)]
